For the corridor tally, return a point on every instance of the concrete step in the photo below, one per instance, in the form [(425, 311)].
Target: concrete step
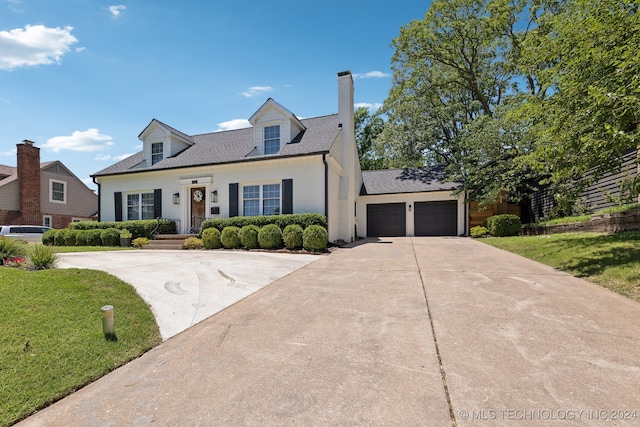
[(168, 241)]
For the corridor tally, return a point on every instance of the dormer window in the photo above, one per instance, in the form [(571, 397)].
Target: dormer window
[(271, 139), (157, 152)]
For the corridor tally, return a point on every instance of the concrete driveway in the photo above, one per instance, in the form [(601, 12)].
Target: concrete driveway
[(406, 332), (185, 287)]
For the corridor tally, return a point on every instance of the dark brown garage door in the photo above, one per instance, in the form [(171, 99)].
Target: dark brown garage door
[(386, 220), (436, 218)]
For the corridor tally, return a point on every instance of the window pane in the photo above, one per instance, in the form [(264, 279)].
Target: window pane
[(271, 139), (156, 152), (251, 207), (251, 192), (271, 199), (57, 191), (133, 208), (147, 206)]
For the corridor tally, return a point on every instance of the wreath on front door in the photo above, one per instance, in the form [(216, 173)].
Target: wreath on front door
[(197, 196)]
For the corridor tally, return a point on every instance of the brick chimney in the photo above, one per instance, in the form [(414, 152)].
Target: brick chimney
[(29, 182)]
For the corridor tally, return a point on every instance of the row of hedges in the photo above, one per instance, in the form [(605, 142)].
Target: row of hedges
[(139, 228), (270, 236), (72, 237), (282, 221)]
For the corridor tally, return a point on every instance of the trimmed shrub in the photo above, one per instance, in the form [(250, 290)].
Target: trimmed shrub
[(192, 243), (140, 242), (211, 238), (303, 220), (43, 257), (270, 237), (110, 237), (60, 237), (504, 225), (94, 237), (82, 237), (315, 238), (479, 231), (292, 236), (49, 237), (70, 237), (249, 236), (229, 238), (138, 228)]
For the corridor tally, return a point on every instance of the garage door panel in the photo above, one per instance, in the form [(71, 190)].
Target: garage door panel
[(436, 218), (386, 220)]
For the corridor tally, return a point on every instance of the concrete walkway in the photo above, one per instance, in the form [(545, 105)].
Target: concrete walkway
[(407, 332)]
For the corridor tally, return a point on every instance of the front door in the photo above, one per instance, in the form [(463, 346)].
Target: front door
[(197, 208)]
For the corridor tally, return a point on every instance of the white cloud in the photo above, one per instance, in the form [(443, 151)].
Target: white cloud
[(102, 157), (371, 74), (116, 10), (11, 152), (373, 107), (85, 141), (234, 124), (34, 45), (257, 90)]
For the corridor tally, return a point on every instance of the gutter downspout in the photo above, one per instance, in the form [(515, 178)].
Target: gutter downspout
[(326, 189), (99, 198)]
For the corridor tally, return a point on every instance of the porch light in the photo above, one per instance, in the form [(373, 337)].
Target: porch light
[(176, 198), (214, 196)]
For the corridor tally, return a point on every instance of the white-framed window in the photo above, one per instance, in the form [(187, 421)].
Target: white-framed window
[(271, 139), (47, 220), (57, 191), (157, 152), (261, 200), (140, 206)]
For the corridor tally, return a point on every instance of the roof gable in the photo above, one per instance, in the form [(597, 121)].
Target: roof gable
[(271, 106), (157, 125)]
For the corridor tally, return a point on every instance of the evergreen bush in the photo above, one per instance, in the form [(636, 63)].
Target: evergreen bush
[(292, 236), (211, 238), (249, 236), (315, 238), (229, 238), (270, 237), (504, 225), (110, 237)]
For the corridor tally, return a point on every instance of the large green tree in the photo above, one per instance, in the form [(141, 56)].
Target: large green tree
[(368, 126), (452, 73), (589, 57)]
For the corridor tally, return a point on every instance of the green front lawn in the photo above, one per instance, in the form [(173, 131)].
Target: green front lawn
[(610, 260), (52, 343)]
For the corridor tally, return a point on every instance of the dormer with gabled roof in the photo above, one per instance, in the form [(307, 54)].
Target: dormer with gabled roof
[(273, 127), (160, 141)]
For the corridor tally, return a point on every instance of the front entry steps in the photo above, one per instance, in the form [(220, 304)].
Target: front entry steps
[(168, 241)]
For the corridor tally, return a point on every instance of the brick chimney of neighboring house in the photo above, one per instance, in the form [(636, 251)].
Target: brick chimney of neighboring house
[(29, 182)]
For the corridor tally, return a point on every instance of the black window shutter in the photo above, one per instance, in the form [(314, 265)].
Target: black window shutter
[(157, 203), (233, 199), (287, 196), (117, 204)]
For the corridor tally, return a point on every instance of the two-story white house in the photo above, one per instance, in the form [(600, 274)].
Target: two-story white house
[(280, 165)]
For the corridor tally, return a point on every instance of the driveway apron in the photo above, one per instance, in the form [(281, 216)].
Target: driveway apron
[(401, 331)]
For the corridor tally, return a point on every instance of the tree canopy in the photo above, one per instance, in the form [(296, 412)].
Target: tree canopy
[(510, 94)]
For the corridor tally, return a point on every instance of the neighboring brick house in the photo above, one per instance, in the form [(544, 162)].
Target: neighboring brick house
[(43, 193)]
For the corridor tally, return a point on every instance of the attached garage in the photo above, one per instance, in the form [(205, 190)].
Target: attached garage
[(436, 218), (386, 219)]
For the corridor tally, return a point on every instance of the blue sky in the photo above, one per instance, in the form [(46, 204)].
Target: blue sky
[(82, 78)]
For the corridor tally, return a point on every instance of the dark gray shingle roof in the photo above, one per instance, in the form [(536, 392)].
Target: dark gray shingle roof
[(408, 180), (235, 146)]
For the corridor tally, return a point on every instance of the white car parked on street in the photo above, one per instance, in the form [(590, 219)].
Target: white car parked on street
[(28, 233)]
